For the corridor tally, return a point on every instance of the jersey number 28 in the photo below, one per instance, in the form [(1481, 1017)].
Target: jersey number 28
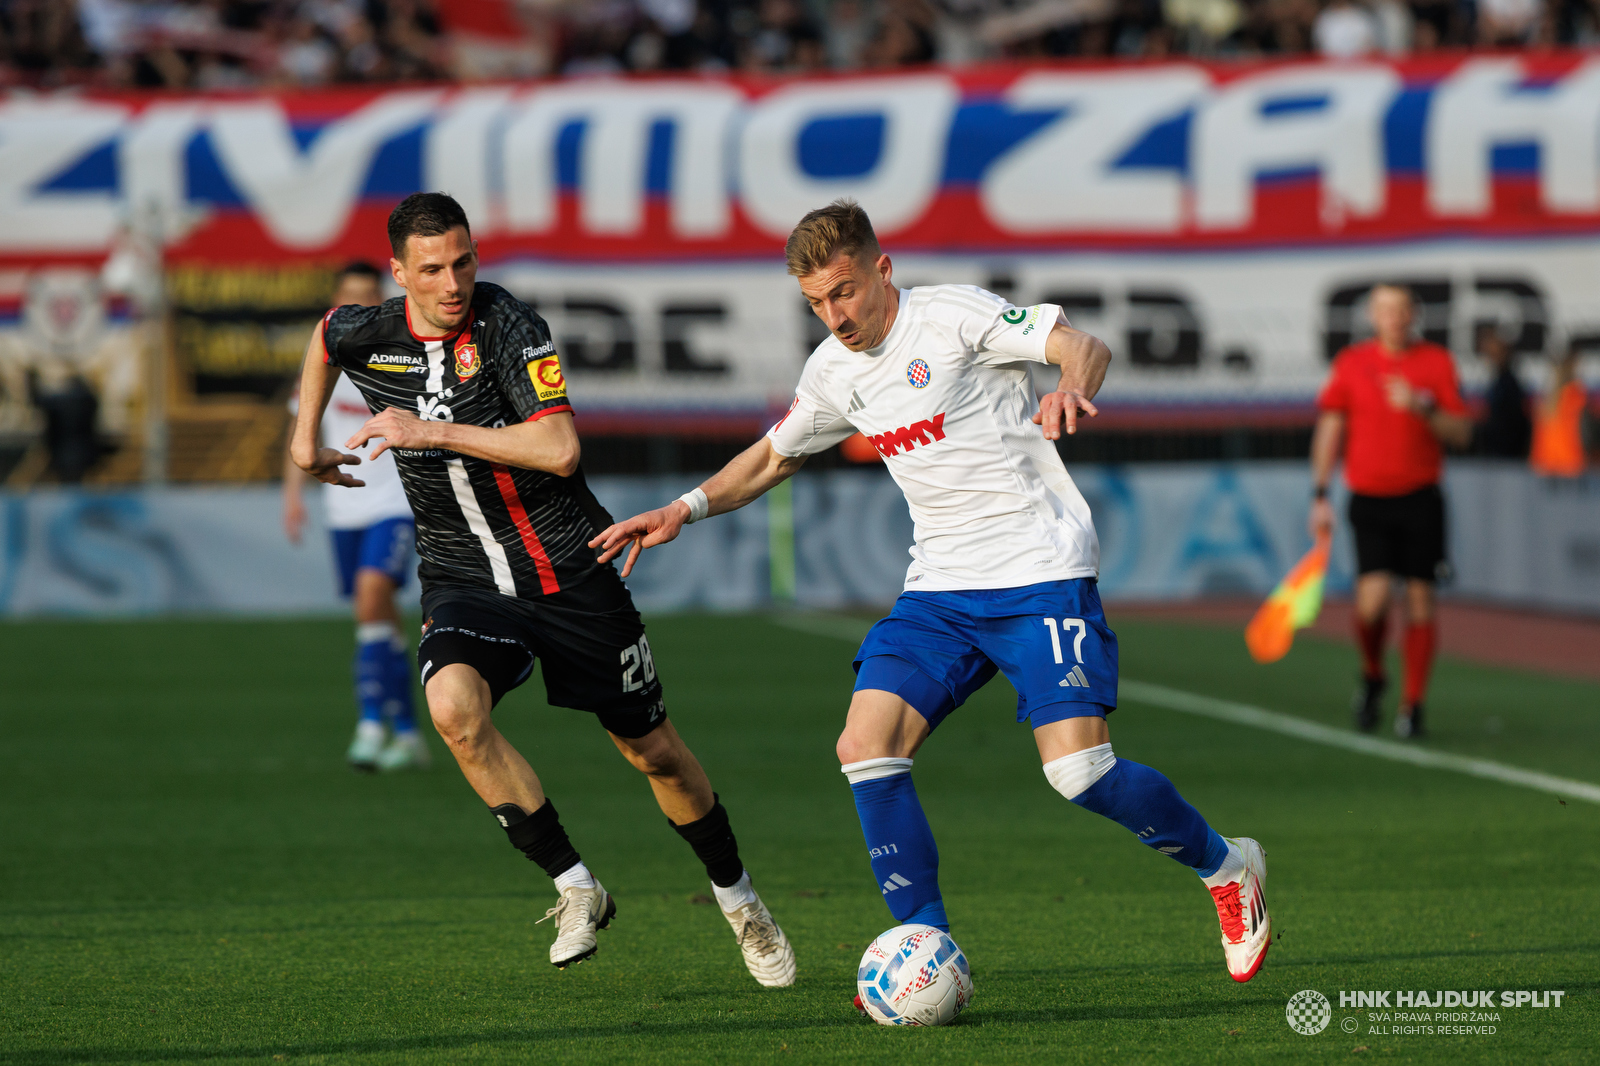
[(636, 658)]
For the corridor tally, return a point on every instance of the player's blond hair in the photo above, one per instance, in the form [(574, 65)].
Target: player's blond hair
[(1395, 286), (842, 226)]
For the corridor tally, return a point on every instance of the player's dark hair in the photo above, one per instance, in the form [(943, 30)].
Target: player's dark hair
[(424, 214), (358, 268), (842, 226)]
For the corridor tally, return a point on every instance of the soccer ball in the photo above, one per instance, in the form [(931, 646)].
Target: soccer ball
[(914, 975)]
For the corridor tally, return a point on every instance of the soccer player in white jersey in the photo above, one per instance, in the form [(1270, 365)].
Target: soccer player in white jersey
[(373, 534), (1003, 570)]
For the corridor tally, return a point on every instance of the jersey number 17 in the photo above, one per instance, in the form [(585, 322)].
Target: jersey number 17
[(1067, 625)]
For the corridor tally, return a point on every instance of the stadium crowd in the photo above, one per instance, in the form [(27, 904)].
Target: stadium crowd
[(226, 44)]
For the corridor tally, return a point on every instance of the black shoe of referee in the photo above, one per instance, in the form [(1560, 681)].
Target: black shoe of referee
[(1366, 702), (1408, 723)]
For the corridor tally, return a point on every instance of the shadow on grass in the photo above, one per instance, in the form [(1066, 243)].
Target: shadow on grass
[(1128, 1012), (441, 1042), (1144, 1011), (1283, 960)]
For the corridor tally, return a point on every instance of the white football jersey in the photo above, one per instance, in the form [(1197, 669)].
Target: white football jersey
[(947, 400), (382, 497)]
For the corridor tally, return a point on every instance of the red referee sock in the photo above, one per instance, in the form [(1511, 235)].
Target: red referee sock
[(1369, 638), (1421, 637)]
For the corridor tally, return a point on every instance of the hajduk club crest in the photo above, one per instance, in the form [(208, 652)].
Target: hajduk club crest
[(467, 362)]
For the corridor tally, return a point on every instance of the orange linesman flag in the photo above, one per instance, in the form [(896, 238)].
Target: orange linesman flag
[(1293, 605)]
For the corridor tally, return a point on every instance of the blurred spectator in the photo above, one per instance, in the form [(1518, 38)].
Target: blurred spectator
[(70, 410), (904, 35), (784, 39), (1509, 22), (1431, 24), (242, 44), (1506, 430), (410, 34), (1345, 30), (1558, 445), (1202, 25), (307, 57), (1394, 22), (1577, 22), (846, 33), (1280, 26), (42, 43)]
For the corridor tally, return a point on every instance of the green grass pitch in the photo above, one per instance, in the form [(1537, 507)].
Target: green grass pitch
[(188, 873)]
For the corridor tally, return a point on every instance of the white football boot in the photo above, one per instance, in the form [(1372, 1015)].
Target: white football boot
[(407, 751), (1242, 910), (580, 913), (766, 950), (365, 746)]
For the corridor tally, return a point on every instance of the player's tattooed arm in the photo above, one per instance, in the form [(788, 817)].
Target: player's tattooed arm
[(1083, 360), (317, 378), (751, 473), (549, 443)]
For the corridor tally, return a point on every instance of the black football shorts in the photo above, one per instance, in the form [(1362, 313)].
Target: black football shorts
[(589, 639), (1403, 535)]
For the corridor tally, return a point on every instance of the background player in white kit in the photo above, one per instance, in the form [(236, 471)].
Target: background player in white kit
[(373, 537), (1004, 565)]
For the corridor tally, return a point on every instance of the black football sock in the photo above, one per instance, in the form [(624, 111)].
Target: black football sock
[(539, 836), (712, 840)]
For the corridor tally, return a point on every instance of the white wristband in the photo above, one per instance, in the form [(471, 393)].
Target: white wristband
[(697, 503)]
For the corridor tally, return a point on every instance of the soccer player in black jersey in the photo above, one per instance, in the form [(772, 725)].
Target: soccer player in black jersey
[(466, 390)]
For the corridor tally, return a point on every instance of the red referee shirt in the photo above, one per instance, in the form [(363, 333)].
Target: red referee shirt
[(1389, 452)]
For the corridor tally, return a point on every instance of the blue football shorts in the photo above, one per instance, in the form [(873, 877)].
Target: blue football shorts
[(1050, 640), (385, 547)]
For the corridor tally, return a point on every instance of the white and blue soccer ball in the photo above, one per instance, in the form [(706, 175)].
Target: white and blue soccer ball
[(914, 975)]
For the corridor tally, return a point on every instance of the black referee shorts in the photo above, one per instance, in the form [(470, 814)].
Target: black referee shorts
[(1403, 535), (589, 638)]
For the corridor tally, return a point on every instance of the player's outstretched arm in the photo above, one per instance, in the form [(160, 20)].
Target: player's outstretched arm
[(1083, 360), (294, 504), (549, 443), (751, 473), (1326, 441), (317, 379)]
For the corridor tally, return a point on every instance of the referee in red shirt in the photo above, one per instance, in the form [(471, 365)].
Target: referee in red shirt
[(1389, 405)]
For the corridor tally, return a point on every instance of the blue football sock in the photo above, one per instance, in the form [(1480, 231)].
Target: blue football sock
[(372, 673), (905, 860), (397, 700), (1145, 803)]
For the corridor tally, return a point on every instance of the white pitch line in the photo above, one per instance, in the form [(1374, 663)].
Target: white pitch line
[(1243, 714), (1173, 699)]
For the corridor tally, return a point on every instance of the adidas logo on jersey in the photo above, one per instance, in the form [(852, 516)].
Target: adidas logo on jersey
[(904, 439), (1076, 679), (856, 403)]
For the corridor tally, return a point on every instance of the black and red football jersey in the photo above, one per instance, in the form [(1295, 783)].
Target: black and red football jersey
[(479, 524)]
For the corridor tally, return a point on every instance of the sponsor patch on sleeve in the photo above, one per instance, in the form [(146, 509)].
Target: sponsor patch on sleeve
[(548, 381), (1026, 317)]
